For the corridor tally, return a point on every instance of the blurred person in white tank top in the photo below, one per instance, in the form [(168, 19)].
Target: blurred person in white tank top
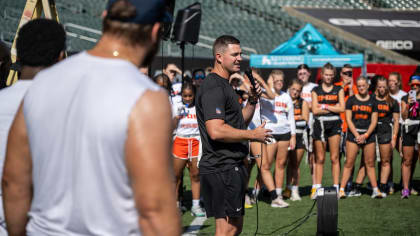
[(49, 39), (89, 150)]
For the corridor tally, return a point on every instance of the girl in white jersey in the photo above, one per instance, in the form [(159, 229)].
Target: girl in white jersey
[(304, 74), (278, 115), (395, 85), (255, 147), (186, 146)]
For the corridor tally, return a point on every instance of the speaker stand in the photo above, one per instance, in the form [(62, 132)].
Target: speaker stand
[(182, 45)]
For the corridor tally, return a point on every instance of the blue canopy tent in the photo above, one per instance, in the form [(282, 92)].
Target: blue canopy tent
[(307, 46)]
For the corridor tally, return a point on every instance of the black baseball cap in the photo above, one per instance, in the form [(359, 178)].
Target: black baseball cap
[(147, 12)]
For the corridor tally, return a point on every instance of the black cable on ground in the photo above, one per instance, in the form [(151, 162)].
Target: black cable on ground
[(301, 220), (341, 231)]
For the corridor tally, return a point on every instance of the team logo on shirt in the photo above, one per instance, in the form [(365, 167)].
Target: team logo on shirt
[(305, 95), (383, 108), (218, 111), (327, 97), (361, 116)]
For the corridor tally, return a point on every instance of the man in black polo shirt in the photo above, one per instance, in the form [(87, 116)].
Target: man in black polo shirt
[(222, 123)]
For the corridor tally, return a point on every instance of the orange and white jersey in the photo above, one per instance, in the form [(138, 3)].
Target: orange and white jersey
[(278, 114), (307, 92), (306, 95), (187, 125)]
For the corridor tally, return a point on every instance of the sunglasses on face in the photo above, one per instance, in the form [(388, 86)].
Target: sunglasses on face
[(348, 73)]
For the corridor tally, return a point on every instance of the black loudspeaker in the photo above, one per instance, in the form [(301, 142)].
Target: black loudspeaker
[(327, 211), (187, 24), (169, 15)]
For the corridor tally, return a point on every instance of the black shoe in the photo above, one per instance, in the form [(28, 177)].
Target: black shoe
[(355, 192)]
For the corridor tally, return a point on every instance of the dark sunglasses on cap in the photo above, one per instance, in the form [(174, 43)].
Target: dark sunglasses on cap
[(348, 73), (199, 76)]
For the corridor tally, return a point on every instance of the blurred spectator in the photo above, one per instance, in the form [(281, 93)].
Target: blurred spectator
[(175, 76), (40, 44), (198, 76), (163, 81), (208, 70), (67, 171), (144, 70), (173, 72), (5, 62)]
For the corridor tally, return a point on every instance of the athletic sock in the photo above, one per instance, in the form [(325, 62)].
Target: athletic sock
[(313, 185), (195, 202), (341, 189), (273, 194), (289, 186), (317, 186), (336, 186), (295, 188), (279, 191), (375, 189)]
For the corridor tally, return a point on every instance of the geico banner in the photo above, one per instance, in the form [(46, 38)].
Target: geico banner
[(394, 30), (313, 61)]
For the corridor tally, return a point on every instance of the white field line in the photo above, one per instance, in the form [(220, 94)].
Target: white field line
[(195, 226)]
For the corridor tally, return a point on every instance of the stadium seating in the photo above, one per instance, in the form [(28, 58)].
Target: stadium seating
[(260, 25), (396, 4)]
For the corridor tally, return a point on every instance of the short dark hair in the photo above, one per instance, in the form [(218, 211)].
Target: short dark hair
[(132, 33), (222, 43), (188, 84), (40, 42)]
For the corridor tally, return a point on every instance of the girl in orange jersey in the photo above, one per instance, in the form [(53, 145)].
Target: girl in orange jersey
[(186, 145), (387, 129), (301, 115), (361, 117), (327, 104)]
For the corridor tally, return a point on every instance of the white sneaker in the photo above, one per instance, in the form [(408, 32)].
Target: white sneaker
[(279, 203), (197, 211), (378, 194), (248, 199), (295, 196)]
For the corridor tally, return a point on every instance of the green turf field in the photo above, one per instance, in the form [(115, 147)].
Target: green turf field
[(357, 216)]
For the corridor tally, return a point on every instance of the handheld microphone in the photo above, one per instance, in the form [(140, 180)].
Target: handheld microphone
[(248, 73)]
